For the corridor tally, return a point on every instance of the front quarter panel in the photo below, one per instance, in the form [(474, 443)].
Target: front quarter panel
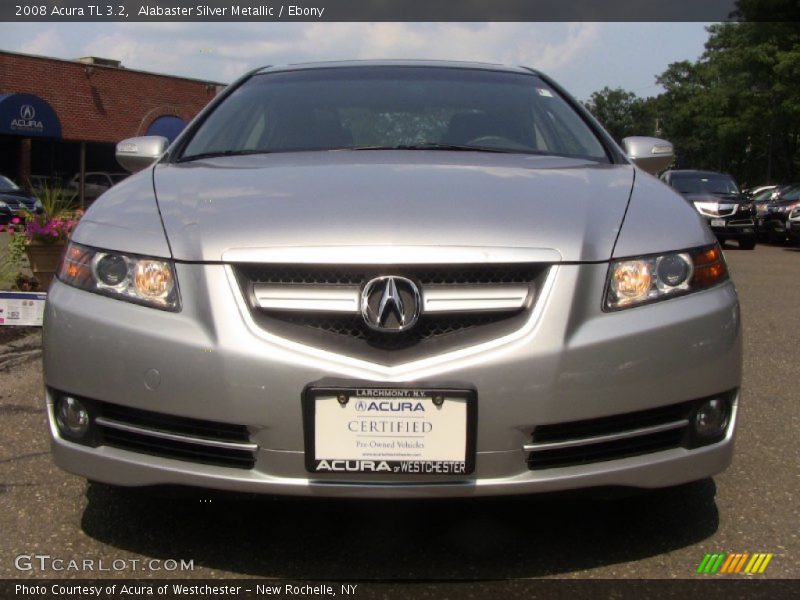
[(126, 219), (659, 220)]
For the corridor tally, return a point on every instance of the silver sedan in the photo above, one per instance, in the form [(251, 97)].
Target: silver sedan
[(393, 279)]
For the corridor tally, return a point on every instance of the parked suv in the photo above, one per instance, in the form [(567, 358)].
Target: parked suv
[(717, 198), (393, 279)]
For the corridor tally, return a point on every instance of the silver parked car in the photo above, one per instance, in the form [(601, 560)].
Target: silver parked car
[(393, 279)]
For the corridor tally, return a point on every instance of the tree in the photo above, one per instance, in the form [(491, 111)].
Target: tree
[(737, 109), (622, 113)]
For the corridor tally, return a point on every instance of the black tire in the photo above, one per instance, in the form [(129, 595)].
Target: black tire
[(747, 243)]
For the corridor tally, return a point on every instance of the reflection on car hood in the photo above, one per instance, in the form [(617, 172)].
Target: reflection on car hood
[(392, 198)]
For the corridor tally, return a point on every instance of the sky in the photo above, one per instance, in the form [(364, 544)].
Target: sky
[(583, 57)]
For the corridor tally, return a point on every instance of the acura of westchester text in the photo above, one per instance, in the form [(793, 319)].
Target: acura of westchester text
[(393, 279)]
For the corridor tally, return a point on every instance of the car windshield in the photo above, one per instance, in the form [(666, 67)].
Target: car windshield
[(395, 107), (791, 195), (6, 185), (764, 196), (703, 184)]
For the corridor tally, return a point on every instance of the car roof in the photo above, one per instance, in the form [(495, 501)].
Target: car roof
[(442, 64)]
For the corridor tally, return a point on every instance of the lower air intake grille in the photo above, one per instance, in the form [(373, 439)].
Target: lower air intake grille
[(180, 438), (609, 438)]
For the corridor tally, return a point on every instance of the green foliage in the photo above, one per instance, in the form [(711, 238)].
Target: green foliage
[(11, 262), (56, 203), (622, 113), (736, 109)]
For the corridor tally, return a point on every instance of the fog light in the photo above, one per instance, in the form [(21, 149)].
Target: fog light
[(711, 418), (72, 417)]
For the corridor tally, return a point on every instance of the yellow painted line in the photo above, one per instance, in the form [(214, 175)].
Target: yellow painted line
[(757, 564), (765, 563), (751, 563)]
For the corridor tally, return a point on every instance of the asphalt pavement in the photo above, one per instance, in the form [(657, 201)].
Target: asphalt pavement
[(752, 507)]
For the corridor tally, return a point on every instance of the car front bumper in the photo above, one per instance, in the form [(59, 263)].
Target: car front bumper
[(734, 228), (571, 362)]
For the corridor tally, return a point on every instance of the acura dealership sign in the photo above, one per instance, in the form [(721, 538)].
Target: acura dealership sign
[(29, 116)]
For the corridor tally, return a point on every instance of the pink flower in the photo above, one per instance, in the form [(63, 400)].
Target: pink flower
[(15, 220)]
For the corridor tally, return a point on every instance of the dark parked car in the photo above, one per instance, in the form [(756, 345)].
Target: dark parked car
[(716, 197), (793, 226), (14, 199), (780, 191), (773, 219)]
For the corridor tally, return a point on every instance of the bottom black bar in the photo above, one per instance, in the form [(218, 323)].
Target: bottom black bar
[(711, 588)]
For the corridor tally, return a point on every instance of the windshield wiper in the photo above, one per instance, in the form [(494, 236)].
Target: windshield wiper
[(220, 153), (442, 146)]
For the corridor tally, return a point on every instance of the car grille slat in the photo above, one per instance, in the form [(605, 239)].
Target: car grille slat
[(169, 436), (608, 438), (174, 424), (605, 451), (135, 442)]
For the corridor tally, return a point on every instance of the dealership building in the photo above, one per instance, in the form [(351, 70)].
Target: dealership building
[(62, 117)]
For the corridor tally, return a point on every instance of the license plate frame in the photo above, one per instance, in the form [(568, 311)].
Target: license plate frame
[(464, 401)]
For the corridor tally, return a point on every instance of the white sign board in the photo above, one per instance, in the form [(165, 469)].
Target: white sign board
[(22, 308)]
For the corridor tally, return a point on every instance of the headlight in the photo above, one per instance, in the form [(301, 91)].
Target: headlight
[(636, 281), (709, 209), (139, 279)]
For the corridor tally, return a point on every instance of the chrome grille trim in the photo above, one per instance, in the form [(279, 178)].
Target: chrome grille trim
[(534, 447), (461, 305), (188, 439), (467, 298), (346, 299), (307, 298)]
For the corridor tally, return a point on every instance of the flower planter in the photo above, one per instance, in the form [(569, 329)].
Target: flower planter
[(44, 260)]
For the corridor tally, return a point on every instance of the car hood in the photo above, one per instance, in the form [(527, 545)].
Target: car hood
[(391, 199), (13, 195), (717, 198)]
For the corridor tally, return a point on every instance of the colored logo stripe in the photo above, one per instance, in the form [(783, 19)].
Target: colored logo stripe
[(723, 563), (711, 563), (758, 563)]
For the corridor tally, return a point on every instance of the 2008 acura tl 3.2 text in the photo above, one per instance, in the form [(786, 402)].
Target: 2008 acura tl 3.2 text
[(393, 279)]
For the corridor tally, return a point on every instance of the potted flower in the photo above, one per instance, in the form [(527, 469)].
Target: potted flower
[(43, 234)]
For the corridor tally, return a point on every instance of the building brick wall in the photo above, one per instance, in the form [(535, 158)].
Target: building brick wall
[(107, 104)]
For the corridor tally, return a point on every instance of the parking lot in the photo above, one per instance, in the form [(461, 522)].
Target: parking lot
[(752, 507)]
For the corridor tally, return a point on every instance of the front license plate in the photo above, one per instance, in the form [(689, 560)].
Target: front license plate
[(718, 222), (396, 430)]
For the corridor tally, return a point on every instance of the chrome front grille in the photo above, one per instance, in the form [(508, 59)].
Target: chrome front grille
[(320, 305)]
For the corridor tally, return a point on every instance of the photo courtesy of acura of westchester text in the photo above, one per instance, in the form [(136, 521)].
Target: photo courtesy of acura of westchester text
[(342, 303)]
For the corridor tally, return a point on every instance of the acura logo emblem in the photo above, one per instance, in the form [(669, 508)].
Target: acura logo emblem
[(27, 112), (390, 303)]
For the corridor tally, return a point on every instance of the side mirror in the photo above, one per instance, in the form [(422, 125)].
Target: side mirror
[(648, 153), (137, 153)]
